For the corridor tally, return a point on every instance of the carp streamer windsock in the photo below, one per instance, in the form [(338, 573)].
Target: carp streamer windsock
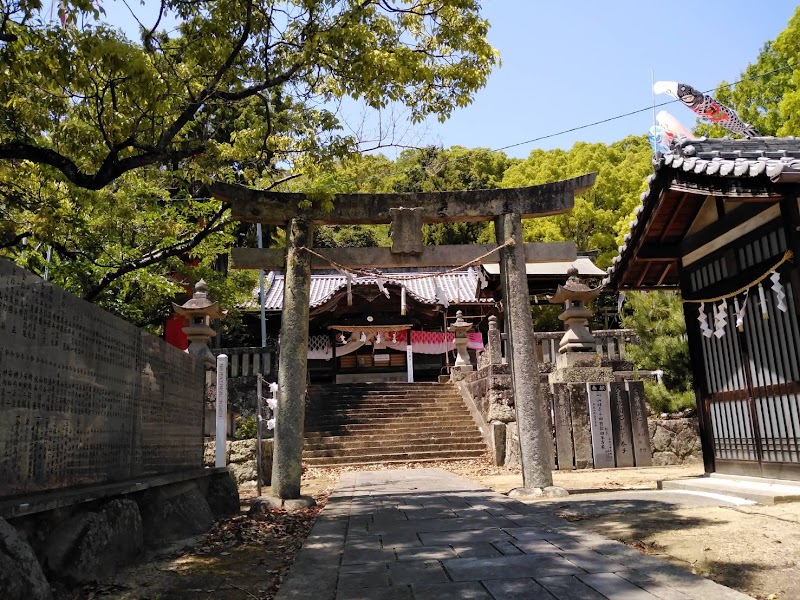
[(706, 107)]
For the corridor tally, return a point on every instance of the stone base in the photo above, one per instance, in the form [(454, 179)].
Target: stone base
[(551, 491), (89, 546), (568, 360), (173, 512), (21, 576), (580, 374), (264, 504)]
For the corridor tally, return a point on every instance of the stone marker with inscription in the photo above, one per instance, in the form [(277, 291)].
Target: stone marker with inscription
[(563, 426), (600, 419), (581, 430), (86, 398), (642, 449), (621, 419)]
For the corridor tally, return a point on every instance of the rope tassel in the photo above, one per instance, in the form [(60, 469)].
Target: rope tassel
[(762, 301), (740, 312)]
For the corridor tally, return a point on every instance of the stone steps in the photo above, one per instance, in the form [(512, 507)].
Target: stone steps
[(337, 443), (365, 431), (401, 448), (352, 429), (392, 423), (392, 457)]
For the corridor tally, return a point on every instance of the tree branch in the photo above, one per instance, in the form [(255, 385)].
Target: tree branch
[(111, 168), (213, 225)]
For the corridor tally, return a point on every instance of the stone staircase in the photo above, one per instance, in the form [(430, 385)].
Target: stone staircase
[(357, 424)]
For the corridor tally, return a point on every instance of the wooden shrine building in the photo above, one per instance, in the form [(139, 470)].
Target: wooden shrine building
[(398, 331), (719, 222)]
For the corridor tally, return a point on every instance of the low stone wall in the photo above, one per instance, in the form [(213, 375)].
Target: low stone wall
[(89, 541), (675, 441), (241, 457), (488, 395)]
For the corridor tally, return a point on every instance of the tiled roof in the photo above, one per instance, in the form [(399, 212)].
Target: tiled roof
[(458, 287), (558, 269), (763, 161)]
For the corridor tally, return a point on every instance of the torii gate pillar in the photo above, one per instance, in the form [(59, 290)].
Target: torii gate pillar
[(293, 365), (532, 413)]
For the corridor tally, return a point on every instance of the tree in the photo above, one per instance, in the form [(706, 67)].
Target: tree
[(105, 142), (768, 92), (434, 169), (91, 104), (656, 318), (601, 215)]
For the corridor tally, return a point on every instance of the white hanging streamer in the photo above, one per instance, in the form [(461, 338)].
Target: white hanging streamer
[(381, 283), (720, 318), (482, 278), (350, 277), (441, 297), (702, 317), (762, 301), (740, 312), (777, 289)]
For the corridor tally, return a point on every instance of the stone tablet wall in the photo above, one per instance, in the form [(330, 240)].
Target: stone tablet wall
[(86, 398)]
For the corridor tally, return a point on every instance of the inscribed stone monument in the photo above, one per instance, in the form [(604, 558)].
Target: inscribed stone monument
[(86, 398)]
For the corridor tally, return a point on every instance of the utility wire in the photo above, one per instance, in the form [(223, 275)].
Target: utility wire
[(572, 129)]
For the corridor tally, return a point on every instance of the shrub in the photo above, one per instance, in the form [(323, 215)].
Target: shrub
[(662, 400), (245, 428)]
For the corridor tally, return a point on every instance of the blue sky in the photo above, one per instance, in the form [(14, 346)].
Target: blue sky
[(570, 63), (574, 62)]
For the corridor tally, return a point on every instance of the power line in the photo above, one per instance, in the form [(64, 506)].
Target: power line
[(576, 128)]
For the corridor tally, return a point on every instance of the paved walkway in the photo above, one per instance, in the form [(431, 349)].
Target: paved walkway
[(427, 534)]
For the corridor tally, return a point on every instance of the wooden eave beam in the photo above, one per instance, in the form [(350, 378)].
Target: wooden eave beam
[(663, 276), (276, 208), (645, 271), (673, 216), (382, 258), (660, 253)]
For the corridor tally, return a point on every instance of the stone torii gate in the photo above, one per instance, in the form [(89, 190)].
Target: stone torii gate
[(406, 213)]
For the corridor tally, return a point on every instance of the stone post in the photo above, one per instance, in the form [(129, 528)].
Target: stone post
[(535, 438), (293, 367), (493, 343)]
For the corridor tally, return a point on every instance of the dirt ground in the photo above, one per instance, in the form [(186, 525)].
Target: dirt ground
[(755, 549)]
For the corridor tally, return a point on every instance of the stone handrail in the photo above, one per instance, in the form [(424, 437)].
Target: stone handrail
[(246, 362), (611, 343)]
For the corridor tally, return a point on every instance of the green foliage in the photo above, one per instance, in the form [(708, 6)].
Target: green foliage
[(662, 400), (246, 428), (601, 215), (768, 94), (434, 169), (106, 141), (656, 318)]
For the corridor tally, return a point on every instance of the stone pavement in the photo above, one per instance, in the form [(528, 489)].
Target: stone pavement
[(426, 534)]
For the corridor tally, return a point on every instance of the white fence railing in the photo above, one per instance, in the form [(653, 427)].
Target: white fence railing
[(246, 362)]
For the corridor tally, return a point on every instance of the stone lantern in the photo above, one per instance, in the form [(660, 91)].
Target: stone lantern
[(577, 346), (200, 311), (460, 328)]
